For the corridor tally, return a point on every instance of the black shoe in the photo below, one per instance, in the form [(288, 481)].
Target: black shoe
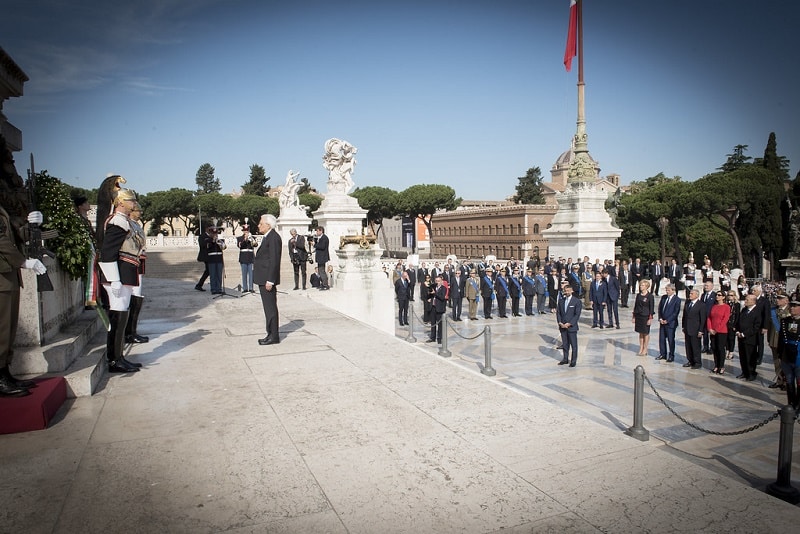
[(488, 317), (661, 358), (429, 340), (601, 327), (774, 385), (687, 364), (740, 376), (199, 288), (751, 378), (295, 289), (669, 360), (563, 362), (136, 338), (9, 389), (572, 364), (26, 384), (115, 366), (594, 326), (137, 365), (268, 341), (697, 366), (617, 327)]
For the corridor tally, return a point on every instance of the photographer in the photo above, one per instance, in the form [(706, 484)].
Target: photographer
[(322, 257), (299, 256), (245, 244)]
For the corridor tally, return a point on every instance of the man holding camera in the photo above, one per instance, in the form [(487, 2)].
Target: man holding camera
[(299, 256)]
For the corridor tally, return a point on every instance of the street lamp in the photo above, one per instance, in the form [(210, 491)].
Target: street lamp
[(663, 223)]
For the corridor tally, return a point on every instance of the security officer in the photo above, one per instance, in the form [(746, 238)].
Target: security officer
[(788, 345)]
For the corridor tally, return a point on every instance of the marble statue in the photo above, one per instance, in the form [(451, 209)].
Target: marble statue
[(340, 161), (288, 197)]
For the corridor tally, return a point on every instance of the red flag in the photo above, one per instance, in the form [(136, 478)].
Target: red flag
[(572, 37)]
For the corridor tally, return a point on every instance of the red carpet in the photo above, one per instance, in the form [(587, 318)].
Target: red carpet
[(34, 411)]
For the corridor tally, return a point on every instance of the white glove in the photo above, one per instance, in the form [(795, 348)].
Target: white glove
[(34, 264), (35, 217), (116, 288)]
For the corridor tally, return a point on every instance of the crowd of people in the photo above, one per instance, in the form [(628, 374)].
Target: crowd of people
[(718, 315)]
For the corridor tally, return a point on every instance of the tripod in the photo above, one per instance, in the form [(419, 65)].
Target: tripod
[(224, 292)]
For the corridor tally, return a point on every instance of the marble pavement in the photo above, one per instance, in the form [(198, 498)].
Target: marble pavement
[(343, 428)]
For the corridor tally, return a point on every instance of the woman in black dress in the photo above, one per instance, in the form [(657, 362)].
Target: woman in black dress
[(643, 309), (736, 308)]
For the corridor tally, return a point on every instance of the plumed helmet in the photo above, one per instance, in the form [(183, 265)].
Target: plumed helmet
[(123, 195)]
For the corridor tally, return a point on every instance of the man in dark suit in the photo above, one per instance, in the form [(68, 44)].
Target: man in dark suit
[(694, 320), (412, 281), (612, 305), (668, 311), (624, 276), (673, 273), (763, 308), (656, 273), (458, 285), (598, 294), (402, 290), (637, 273), (267, 275), (438, 307), (747, 329), (568, 311), (322, 257), (709, 298), (299, 256)]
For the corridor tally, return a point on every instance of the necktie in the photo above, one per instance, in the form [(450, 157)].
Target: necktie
[(566, 304)]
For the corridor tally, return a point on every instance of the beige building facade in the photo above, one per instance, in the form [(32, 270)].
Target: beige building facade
[(504, 230)]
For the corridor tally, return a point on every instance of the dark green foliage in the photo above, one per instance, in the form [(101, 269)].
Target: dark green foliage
[(206, 181), (529, 188), (257, 185), (73, 246)]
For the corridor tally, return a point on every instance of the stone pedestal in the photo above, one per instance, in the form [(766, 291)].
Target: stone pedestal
[(340, 215), (581, 226), (792, 266), (361, 289), (293, 218)]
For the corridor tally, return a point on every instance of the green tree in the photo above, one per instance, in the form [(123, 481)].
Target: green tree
[(778, 165), (168, 207), (206, 181), (257, 185), (251, 208), (305, 186), (736, 159), (423, 201), (529, 188), (380, 203)]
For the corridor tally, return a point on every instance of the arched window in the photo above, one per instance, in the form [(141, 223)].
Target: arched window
[(535, 228)]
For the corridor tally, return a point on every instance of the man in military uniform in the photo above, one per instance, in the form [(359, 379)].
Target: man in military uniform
[(119, 266), (11, 261), (788, 345), (137, 300), (778, 312)]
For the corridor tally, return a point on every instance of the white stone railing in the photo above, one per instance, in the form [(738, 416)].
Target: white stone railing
[(160, 242)]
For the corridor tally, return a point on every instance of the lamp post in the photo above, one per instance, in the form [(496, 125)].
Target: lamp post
[(663, 223)]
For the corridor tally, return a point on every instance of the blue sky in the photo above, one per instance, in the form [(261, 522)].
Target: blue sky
[(458, 92)]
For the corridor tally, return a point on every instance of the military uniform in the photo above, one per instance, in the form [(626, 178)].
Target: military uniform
[(119, 269), (788, 347)]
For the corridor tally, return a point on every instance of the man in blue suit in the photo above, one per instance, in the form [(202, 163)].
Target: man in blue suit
[(612, 304), (668, 311), (568, 311), (598, 295)]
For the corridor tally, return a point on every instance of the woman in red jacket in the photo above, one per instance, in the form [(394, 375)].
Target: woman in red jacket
[(717, 324)]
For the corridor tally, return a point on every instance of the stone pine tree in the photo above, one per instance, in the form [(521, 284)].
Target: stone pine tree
[(771, 161), (529, 188), (422, 201), (206, 181)]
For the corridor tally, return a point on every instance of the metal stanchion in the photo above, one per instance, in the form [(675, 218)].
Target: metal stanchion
[(488, 370), (410, 337), (443, 352), (782, 488), (638, 430)]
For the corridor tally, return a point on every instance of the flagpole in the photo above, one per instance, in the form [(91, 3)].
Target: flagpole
[(581, 170)]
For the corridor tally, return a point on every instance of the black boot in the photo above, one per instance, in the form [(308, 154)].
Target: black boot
[(114, 343), (131, 336), (6, 371), (8, 388)]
